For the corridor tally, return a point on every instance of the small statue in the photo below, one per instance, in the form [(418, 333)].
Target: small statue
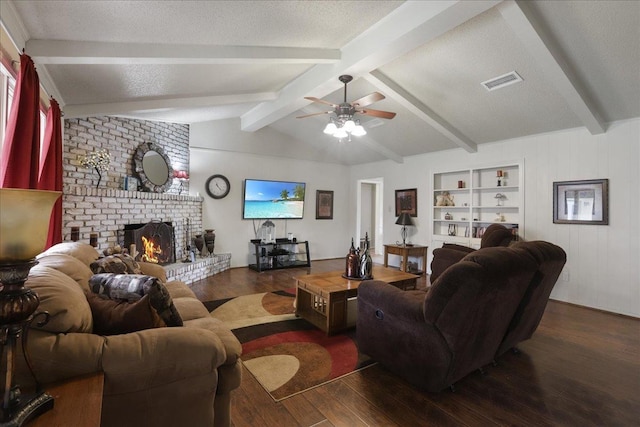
[(353, 263), (444, 199)]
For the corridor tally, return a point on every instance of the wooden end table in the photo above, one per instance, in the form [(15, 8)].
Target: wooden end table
[(323, 298), (405, 251), (77, 402)]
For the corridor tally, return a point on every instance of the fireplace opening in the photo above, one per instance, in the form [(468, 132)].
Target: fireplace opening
[(154, 241)]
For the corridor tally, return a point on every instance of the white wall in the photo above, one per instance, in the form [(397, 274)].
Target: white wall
[(603, 261), (327, 238)]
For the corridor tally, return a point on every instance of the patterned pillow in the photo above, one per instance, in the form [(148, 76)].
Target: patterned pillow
[(132, 287), (117, 264), (113, 317)]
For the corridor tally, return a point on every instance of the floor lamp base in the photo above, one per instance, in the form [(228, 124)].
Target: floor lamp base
[(30, 407)]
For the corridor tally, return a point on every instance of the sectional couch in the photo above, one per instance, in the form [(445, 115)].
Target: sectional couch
[(160, 376)]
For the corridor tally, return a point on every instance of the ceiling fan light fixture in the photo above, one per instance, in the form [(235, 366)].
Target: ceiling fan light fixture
[(358, 130), (343, 125), (340, 133), (349, 125), (331, 128)]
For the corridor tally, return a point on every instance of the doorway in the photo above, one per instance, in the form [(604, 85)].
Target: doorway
[(369, 214)]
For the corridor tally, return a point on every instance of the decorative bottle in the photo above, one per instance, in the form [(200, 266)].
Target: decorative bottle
[(353, 262), (366, 263)]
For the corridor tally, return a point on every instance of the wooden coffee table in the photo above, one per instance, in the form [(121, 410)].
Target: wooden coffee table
[(324, 299)]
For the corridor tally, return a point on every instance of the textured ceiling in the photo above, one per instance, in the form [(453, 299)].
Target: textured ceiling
[(249, 65)]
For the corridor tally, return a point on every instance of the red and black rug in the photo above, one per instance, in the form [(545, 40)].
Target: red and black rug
[(286, 354)]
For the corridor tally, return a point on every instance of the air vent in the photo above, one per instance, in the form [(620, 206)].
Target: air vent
[(502, 81)]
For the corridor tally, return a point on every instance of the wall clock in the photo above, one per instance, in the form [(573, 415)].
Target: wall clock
[(217, 186)]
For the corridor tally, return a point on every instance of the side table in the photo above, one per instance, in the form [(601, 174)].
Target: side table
[(405, 251), (77, 402)]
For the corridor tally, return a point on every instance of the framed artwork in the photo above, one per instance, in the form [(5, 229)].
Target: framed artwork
[(324, 204), (407, 201), (581, 202)]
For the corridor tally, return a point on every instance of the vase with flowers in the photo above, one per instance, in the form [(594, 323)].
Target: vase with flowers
[(99, 160)]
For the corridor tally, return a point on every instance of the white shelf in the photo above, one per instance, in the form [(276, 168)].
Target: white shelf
[(506, 187), (494, 222), (480, 187), (453, 190)]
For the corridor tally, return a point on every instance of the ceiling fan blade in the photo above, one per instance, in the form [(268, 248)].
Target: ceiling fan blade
[(314, 114), (377, 113), (322, 101), (368, 100)]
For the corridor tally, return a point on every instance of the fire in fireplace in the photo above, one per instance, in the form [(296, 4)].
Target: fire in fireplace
[(154, 241)]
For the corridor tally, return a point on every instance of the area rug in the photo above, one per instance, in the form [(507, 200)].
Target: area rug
[(287, 355)]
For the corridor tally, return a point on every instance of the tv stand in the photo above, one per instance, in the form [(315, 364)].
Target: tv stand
[(282, 253)]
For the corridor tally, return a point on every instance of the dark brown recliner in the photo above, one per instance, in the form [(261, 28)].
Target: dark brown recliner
[(551, 259), (449, 253), (432, 339)]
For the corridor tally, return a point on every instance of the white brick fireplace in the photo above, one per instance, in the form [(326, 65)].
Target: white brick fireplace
[(107, 209)]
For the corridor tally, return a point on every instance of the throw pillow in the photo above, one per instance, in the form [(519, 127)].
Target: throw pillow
[(113, 317), (132, 287), (117, 264), (132, 266)]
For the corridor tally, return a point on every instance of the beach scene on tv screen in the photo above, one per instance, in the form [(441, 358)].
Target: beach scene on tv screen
[(273, 199)]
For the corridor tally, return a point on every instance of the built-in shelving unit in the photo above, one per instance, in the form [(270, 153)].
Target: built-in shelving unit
[(481, 196), (282, 253)]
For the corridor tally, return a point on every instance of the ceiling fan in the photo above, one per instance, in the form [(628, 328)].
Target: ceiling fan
[(343, 124)]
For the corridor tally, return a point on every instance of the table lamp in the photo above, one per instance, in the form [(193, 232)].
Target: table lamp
[(24, 226), (404, 219)]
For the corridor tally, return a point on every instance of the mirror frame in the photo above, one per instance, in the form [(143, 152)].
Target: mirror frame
[(143, 149)]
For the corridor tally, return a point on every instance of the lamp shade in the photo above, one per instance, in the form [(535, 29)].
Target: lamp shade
[(404, 219), (24, 222)]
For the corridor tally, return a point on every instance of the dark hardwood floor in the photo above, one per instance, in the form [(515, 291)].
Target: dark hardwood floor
[(581, 368)]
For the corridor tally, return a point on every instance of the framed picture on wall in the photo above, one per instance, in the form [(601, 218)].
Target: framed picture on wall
[(324, 204), (407, 201), (581, 202)]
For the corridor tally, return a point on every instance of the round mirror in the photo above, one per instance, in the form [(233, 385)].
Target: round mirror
[(153, 167)]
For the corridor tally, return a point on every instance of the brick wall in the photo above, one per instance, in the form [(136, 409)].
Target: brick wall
[(121, 137), (201, 269), (105, 210)]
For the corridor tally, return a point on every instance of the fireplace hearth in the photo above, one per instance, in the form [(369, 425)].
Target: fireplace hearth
[(154, 241)]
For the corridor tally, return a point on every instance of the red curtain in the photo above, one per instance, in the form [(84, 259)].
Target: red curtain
[(21, 147), (51, 169)]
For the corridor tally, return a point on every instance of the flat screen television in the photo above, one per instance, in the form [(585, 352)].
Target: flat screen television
[(264, 199)]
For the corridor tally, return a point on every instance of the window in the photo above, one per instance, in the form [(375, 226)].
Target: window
[(7, 88)]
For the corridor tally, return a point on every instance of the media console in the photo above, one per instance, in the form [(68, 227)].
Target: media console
[(283, 253)]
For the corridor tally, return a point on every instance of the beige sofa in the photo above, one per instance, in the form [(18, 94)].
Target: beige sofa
[(167, 376)]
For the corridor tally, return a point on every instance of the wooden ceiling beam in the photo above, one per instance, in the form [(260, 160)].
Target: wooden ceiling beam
[(114, 108), (78, 52), (407, 27), (394, 91), (549, 58)]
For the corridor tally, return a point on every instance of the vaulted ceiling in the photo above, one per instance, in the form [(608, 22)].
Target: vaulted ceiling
[(253, 62)]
